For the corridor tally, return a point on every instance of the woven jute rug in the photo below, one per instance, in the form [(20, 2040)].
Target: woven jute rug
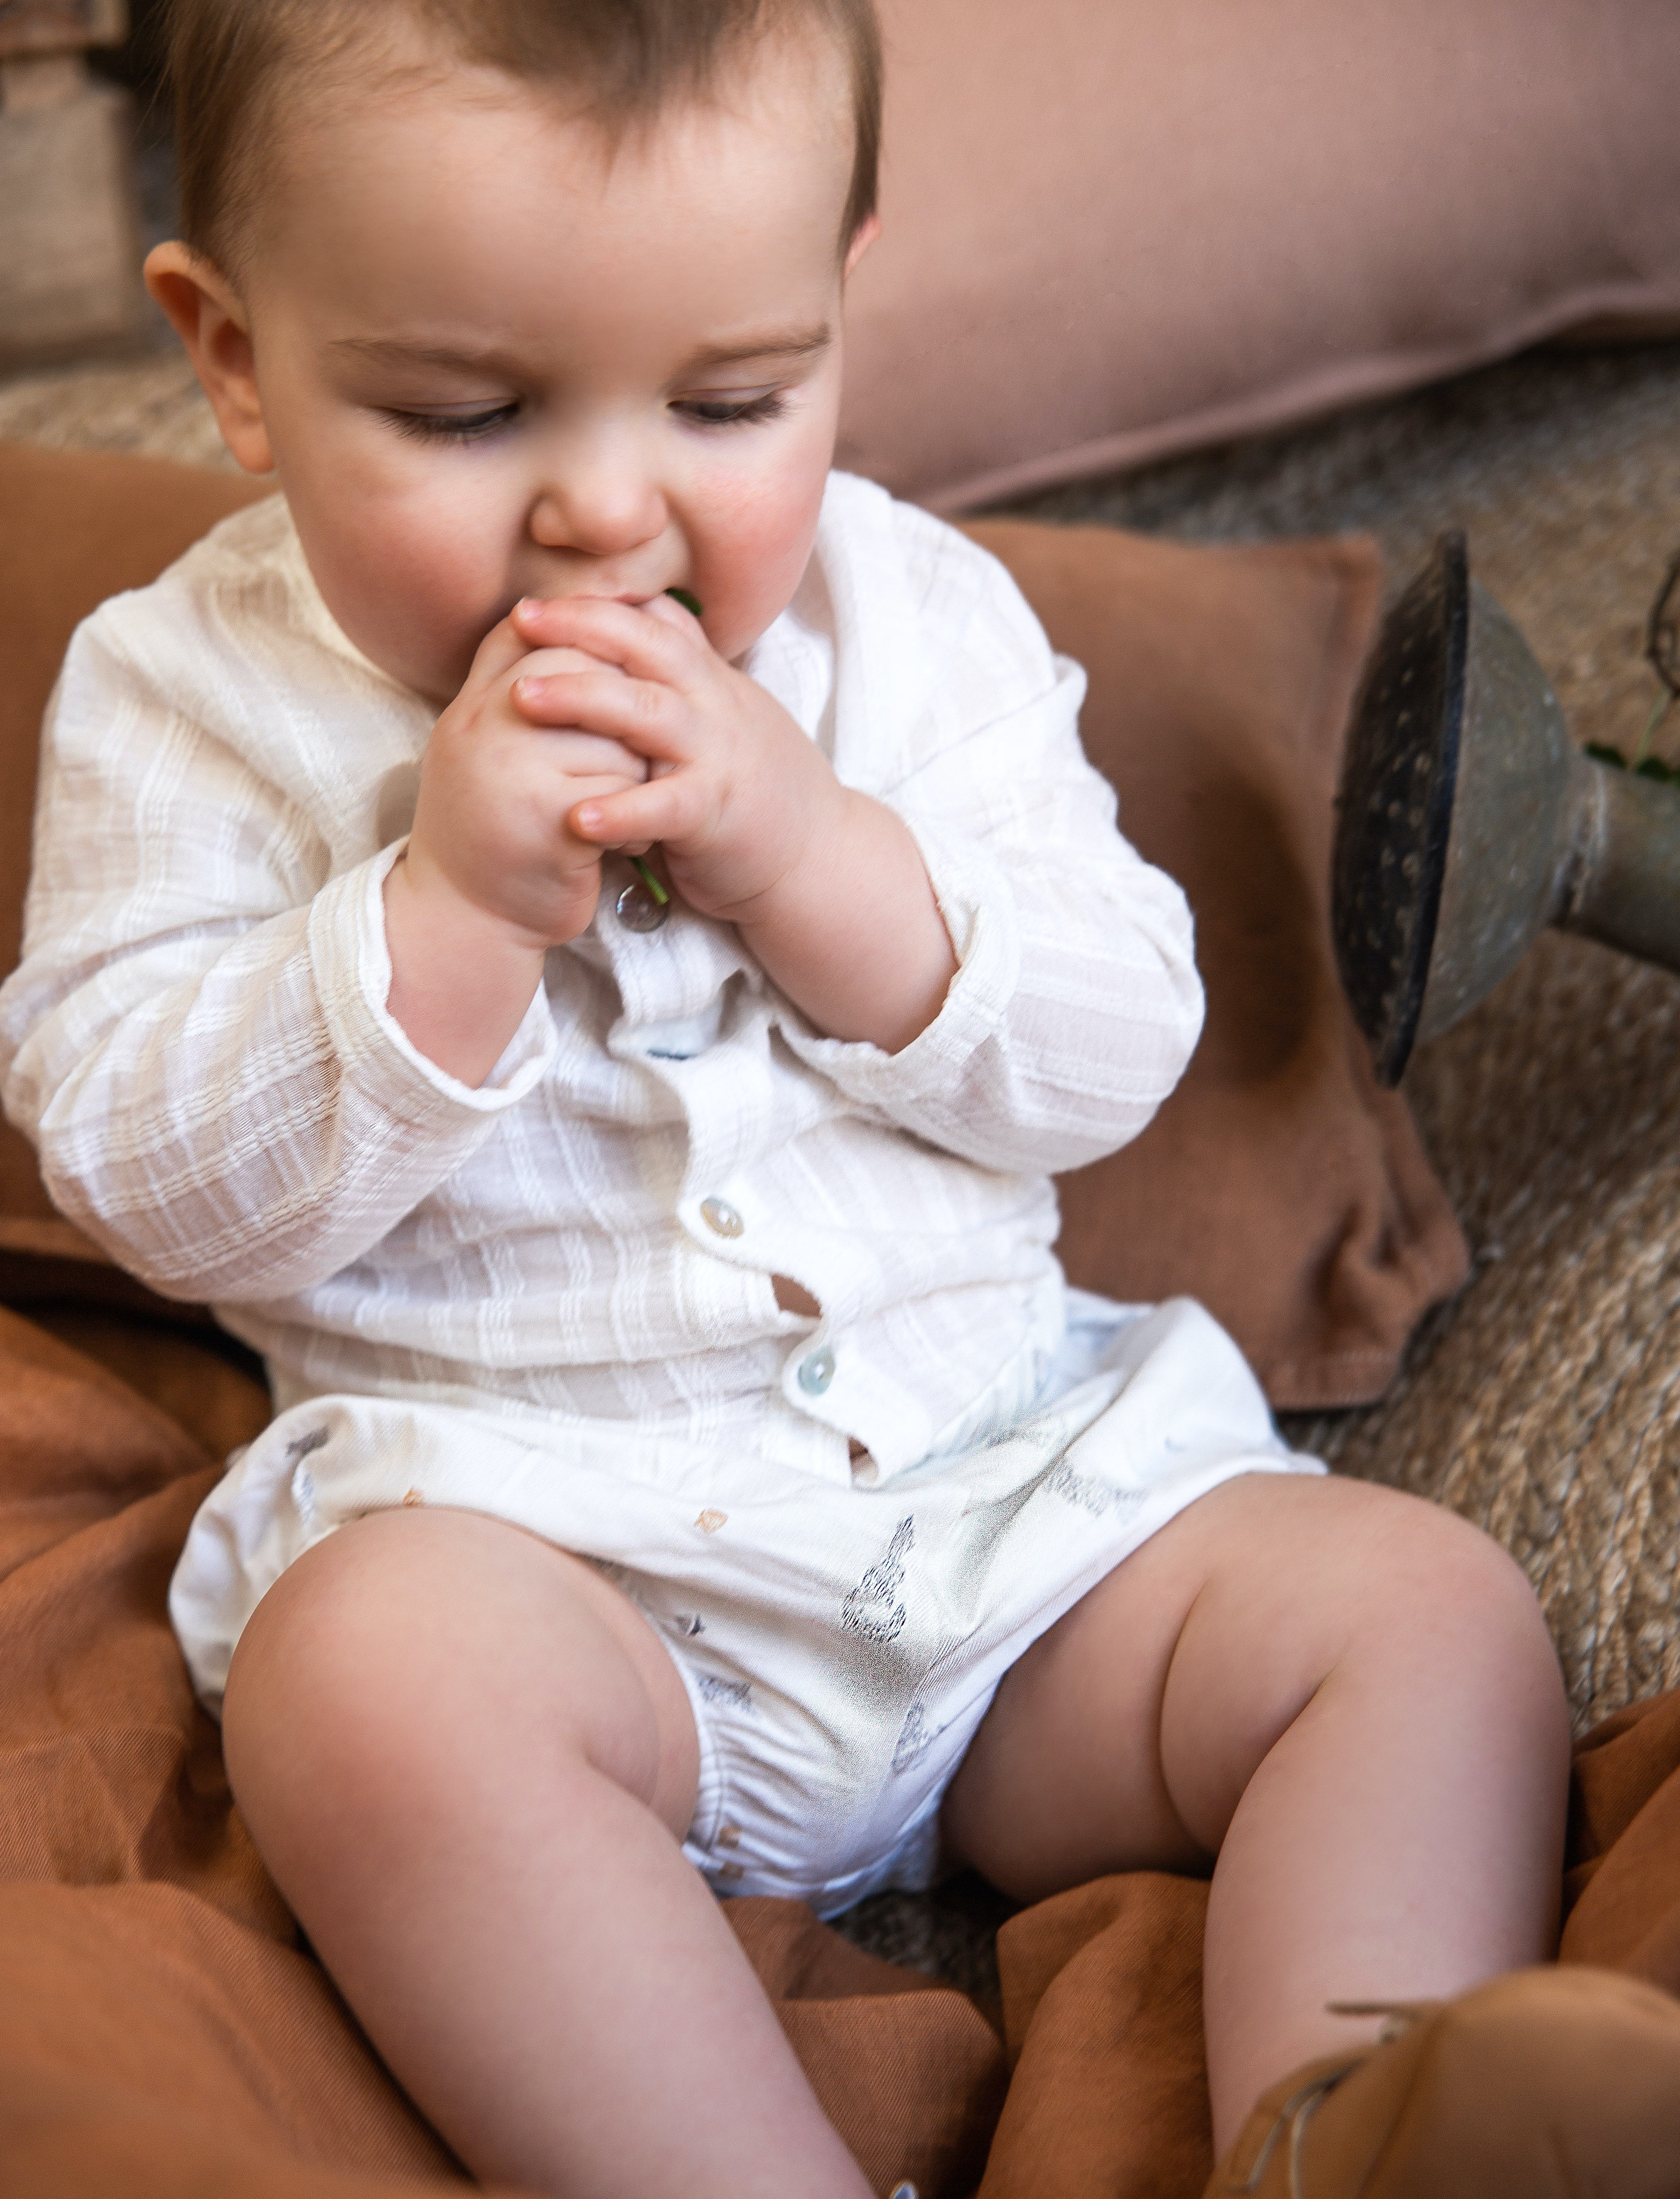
[(1543, 1403)]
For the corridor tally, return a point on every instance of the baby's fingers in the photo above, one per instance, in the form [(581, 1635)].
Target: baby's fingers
[(593, 756), (663, 809), (501, 649), (654, 640), (645, 717)]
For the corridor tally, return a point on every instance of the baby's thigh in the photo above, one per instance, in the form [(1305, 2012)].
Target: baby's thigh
[(1126, 1735), (415, 1657)]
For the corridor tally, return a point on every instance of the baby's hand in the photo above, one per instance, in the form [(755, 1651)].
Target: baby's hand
[(735, 792), (491, 824), (826, 886), (494, 874)]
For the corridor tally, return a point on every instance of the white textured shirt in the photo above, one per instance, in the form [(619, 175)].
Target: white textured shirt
[(197, 1039)]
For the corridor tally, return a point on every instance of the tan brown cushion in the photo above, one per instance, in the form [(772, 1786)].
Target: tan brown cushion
[(74, 528), (1278, 1185), (1116, 230)]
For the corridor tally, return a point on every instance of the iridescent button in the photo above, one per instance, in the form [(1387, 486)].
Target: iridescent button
[(636, 910), (721, 1217), (816, 1372)]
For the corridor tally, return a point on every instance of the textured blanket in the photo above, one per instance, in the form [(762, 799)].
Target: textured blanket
[(165, 2031)]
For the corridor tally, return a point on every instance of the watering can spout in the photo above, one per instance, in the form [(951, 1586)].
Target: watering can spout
[(1626, 890), (1467, 821)]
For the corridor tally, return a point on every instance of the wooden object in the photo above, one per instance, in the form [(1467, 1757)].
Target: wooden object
[(70, 241)]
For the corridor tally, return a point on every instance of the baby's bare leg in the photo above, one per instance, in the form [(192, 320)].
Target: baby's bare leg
[(470, 1763), (1350, 1699)]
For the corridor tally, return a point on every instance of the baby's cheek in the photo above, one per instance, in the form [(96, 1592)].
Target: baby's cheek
[(413, 591), (756, 550)]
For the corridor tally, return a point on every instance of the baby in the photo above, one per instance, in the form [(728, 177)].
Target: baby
[(584, 932)]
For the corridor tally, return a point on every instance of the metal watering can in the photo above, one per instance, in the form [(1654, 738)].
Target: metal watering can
[(1467, 820)]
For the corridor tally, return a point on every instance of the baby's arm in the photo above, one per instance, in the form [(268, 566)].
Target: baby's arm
[(1023, 984), (1077, 1003), (197, 1039), (825, 885), (492, 875)]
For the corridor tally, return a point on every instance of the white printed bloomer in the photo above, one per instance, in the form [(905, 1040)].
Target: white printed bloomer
[(840, 1645)]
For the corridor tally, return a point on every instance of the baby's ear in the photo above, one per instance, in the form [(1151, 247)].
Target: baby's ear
[(206, 313), (862, 237)]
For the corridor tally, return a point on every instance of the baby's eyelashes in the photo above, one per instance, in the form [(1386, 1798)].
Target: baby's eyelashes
[(452, 427), (732, 412)]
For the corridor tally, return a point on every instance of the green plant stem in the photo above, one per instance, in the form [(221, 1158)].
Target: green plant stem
[(650, 880)]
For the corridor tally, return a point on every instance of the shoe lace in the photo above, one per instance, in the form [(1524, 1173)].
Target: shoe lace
[(1398, 2015), (1293, 2116), (1300, 2108)]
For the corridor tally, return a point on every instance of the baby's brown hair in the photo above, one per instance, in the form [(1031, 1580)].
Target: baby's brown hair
[(631, 58)]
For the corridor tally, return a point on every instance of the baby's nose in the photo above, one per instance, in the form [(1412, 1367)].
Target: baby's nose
[(602, 512)]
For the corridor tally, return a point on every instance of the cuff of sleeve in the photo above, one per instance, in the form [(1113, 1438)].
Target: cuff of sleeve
[(977, 904), (352, 967)]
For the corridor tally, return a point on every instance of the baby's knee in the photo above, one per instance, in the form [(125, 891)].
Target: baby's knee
[(1436, 1595), (327, 1706), (414, 1657), (1432, 1560), (1384, 1591)]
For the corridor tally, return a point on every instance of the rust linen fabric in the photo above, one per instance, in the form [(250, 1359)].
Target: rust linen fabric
[(162, 2030), (1278, 1185), (1117, 231), (165, 2034)]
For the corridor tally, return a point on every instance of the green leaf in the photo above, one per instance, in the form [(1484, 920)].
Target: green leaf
[(1666, 774), (690, 603), (1602, 752)]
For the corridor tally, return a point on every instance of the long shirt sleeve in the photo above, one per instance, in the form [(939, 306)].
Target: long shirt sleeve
[(216, 1092)]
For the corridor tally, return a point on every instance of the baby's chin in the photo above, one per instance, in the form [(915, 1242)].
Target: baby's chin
[(429, 663), (437, 685), (434, 667)]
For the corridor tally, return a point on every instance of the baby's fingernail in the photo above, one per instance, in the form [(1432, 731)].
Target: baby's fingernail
[(528, 689), (588, 817)]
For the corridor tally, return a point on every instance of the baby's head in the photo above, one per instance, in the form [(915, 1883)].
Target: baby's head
[(526, 297)]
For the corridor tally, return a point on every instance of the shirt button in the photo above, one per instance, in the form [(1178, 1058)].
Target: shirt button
[(636, 910), (816, 1372), (721, 1217)]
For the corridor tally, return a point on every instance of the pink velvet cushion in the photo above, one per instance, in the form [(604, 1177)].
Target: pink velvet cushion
[(1118, 228)]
